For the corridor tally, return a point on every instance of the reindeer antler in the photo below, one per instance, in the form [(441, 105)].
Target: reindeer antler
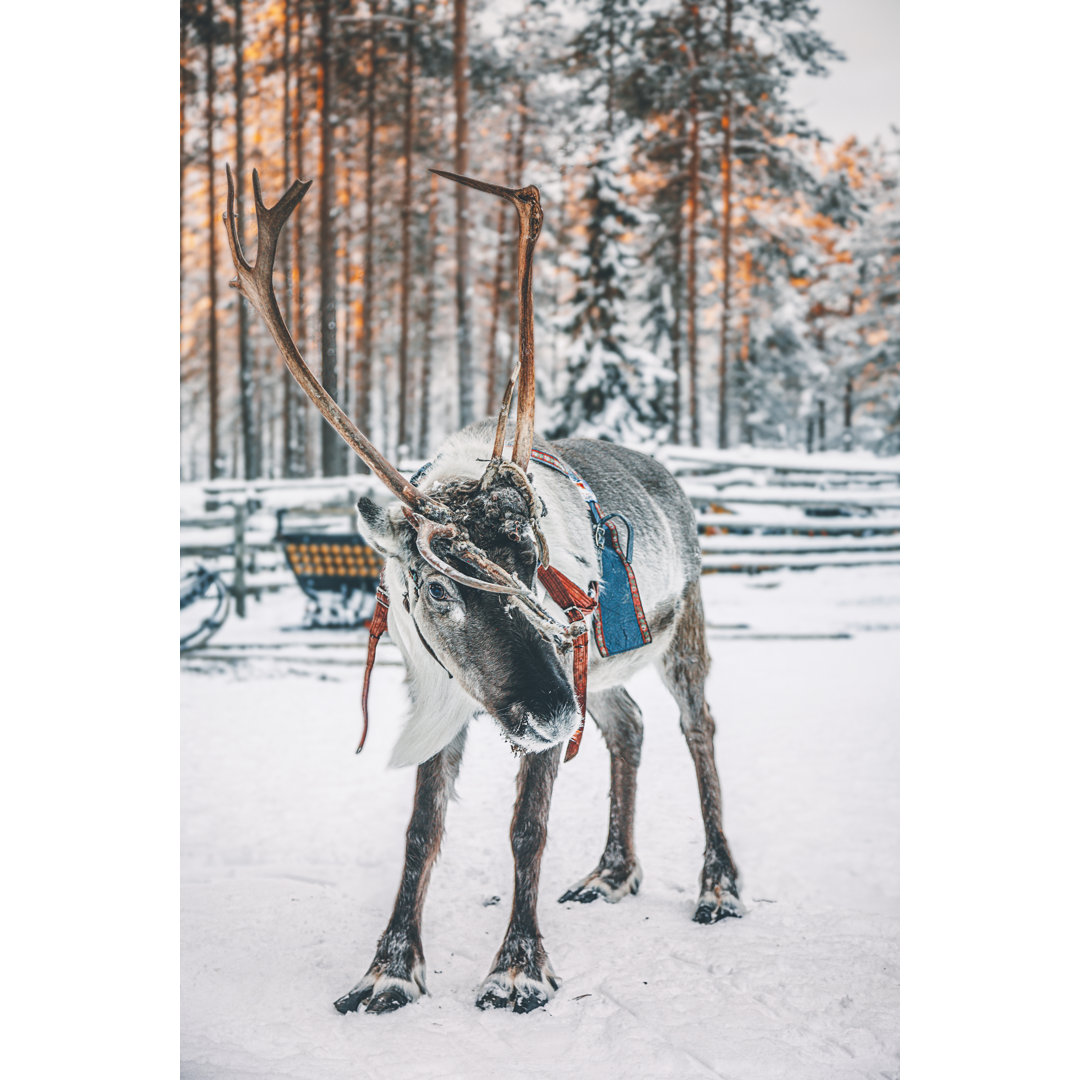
[(257, 284), (430, 518), (526, 201)]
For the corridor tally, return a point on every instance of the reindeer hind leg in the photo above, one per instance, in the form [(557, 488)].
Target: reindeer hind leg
[(618, 873), (684, 668)]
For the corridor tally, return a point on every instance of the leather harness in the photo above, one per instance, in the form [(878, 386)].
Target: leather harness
[(576, 604)]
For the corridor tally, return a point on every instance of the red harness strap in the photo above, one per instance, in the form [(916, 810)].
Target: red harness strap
[(376, 629), (575, 603)]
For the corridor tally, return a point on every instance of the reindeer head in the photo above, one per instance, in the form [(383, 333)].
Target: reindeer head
[(512, 662), (469, 553)]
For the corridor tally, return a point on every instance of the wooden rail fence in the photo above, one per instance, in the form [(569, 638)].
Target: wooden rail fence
[(757, 510)]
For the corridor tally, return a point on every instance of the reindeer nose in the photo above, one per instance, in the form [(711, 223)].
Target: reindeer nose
[(541, 721), (557, 727)]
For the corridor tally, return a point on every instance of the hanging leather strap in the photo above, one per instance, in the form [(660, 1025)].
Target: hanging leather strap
[(376, 629), (576, 603)]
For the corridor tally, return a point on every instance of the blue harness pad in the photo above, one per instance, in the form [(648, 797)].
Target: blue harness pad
[(619, 623)]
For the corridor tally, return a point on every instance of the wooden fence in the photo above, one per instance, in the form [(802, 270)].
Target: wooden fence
[(757, 510), (769, 510)]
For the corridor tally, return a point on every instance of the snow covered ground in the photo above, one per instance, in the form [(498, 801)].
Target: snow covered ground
[(292, 847)]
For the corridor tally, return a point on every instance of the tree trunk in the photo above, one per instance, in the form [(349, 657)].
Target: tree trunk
[(461, 225), (183, 132), (288, 452), (212, 366), (300, 411), (745, 404), (346, 294), (691, 247), (431, 247), (848, 394), (609, 72), (725, 236), (494, 368), (676, 330), (364, 410), (406, 244), (249, 434), (333, 449), (519, 180)]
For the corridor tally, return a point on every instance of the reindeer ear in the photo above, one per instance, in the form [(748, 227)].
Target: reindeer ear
[(384, 530)]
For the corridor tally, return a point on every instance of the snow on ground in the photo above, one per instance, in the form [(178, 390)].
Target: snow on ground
[(292, 847)]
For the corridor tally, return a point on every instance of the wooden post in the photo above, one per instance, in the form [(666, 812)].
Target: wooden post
[(821, 423), (239, 524), (809, 434)]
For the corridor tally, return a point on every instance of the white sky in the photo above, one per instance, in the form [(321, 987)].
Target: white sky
[(861, 96)]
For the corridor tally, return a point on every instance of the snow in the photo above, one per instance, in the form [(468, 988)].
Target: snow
[(292, 847)]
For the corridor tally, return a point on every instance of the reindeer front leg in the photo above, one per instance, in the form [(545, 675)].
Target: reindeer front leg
[(396, 975), (521, 977)]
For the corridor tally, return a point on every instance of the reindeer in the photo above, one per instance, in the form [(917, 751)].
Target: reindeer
[(492, 566)]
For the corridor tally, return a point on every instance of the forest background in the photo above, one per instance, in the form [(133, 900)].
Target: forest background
[(714, 271)]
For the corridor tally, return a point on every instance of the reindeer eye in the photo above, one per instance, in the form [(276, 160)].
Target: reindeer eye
[(437, 591)]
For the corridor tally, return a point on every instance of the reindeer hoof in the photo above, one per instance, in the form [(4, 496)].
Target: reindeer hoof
[(352, 1001), (516, 991), (530, 998), (495, 997), (382, 993), (606, 884), (388, 1001), (719, 903)]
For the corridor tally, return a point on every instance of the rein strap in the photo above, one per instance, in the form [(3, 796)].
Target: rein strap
[(576, 604), (376, 629)]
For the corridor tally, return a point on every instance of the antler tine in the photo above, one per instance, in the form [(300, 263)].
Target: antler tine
[(504, 412), (426, 531), (256, 283), (503, 581), (256, 187), (526, 201), (530, 222), (236, 246)]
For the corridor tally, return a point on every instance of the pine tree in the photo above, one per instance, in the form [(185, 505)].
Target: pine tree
[(855, 296), (709, 84), (821, 310), (613, 389)]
